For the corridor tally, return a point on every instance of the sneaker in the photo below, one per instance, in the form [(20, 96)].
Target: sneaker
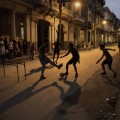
[(115, 75), (60, 65), (104, 73)]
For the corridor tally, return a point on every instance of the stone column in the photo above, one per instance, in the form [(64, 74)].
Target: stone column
[(36, 36), (13, 26), (27, 30), (50, 38), (30, 30), (25, 26)]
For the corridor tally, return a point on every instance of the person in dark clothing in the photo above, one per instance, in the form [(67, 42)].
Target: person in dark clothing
[(107, 61), (75, 58), (6, 44), (44, 59), (32, 51), (25, 47), (2, 51), (20, 45), (56, 50)]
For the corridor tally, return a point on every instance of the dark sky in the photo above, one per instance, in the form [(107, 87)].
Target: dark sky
[(114, 6)]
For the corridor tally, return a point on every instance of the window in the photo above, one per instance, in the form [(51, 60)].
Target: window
[(22, 30)]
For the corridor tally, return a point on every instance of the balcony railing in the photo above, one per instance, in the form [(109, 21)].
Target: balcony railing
[(67, 12), (88, 25), (77, 17), (101, 13), (99, 26)]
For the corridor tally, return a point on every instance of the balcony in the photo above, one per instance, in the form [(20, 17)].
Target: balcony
[(99, 26), (78, 18), (88, 25), (67, 12), (101, 13)]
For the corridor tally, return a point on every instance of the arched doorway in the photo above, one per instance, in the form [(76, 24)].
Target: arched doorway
[(42, 31)]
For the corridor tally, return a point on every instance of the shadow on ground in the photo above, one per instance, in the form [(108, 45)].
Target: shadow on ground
[(21, 97), (68, 99)]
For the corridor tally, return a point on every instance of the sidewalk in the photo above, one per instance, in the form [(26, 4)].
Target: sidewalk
[(27, 57)]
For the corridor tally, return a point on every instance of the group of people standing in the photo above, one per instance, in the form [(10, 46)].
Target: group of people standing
[(11, 48)]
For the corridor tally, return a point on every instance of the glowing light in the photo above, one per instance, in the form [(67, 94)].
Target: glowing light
[(77, 4), (104, 22)]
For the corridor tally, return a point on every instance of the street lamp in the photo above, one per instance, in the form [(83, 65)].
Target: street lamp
[(77, 12), (77, 4), (104, 23), (103, 31)]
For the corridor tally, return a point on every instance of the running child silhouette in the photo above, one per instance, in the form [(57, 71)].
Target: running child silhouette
[(75, 58), (56, 50), (107, 61), (44, 59)]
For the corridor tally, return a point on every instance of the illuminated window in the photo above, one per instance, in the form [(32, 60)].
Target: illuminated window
[(22, 30)]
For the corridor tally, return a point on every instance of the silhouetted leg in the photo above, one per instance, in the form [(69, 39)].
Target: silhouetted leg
[(58, 66), (53, 57), (76, 74), (57, 57), (67, 66), (52, 63), (103, 67), (42, 72)]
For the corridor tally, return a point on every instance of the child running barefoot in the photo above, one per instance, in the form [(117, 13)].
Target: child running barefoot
[(56, 50), (44, 59), (107, 61), (75, 58)]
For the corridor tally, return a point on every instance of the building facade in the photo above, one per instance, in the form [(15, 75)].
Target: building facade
[(33, 21), (111, 26)]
